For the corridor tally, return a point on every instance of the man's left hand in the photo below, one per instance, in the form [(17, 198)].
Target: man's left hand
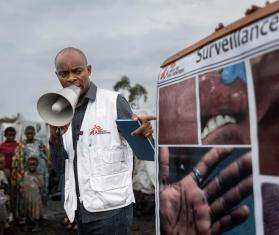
[(146, 128)]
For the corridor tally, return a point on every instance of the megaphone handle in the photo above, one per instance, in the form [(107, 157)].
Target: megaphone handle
[(61, 149), (59, 131)]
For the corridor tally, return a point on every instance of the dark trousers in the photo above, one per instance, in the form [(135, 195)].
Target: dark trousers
[(118, 224)]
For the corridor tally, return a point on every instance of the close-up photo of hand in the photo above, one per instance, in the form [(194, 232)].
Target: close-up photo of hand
[(197, 205)]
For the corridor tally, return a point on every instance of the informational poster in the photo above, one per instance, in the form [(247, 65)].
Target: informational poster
[(218, 135)]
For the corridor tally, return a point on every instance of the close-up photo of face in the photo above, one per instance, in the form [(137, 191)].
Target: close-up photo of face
[(265, 72), (224, 106), (177, 113)]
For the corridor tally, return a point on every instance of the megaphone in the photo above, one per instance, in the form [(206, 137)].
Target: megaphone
[(57, 108)]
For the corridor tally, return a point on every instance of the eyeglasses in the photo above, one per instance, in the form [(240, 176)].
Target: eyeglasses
[(76, 71)]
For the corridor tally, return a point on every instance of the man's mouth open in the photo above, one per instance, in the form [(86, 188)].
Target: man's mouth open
[(224, 111), (216, 122), (223, 129)]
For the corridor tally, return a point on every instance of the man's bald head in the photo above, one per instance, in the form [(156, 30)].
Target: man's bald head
[(69, 50), (72, 68)]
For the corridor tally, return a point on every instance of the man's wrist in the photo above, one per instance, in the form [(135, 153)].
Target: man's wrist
[(52, 140)]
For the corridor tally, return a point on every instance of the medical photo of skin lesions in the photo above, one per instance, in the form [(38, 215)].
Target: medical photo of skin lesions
[(177, 113), (224, 106), (270, 199), (206, 191), (265, 73)]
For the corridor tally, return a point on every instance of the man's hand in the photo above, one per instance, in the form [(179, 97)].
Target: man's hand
[(54, 133), (145, 129), (186, 208)]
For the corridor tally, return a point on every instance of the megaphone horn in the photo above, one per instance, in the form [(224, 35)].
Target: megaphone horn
[(57, 108)]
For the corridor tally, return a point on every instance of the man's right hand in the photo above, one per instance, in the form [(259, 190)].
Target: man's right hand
[(54, 133)]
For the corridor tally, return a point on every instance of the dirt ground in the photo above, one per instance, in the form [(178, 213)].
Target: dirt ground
[(53, 215)]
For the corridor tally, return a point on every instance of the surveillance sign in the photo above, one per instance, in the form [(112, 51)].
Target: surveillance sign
[(218, 135)]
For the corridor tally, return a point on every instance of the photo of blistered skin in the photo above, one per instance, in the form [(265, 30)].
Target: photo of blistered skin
[(204, 190), (224, 106), (270, 198), (177, 113), (265, 73)]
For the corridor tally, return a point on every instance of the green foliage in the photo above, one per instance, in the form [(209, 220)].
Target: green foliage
[(135, 92), (124, 84)]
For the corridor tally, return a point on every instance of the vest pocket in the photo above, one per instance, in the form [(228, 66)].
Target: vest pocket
[(114, 156), (110, 182), (109, 161)]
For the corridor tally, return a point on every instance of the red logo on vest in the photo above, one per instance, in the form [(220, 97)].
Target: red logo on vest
[(97, 130)]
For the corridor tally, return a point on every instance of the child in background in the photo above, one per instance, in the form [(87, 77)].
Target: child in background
[(9, 147), (12, 151), (31, 194), (34, 147), (4, 197)]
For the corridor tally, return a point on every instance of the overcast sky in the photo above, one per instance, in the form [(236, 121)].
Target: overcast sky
[(119, 38)]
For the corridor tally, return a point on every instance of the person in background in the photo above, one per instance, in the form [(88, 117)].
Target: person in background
[(31, 189), (17, 172), (4, 196), (9, 147), (35, 147), (11, 151)]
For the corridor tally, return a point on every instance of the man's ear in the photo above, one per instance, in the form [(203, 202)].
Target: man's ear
[(56, 73)]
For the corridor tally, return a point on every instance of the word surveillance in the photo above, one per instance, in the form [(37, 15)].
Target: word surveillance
[(239, 38)]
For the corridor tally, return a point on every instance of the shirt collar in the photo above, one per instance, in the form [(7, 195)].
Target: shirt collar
[(91, 93)]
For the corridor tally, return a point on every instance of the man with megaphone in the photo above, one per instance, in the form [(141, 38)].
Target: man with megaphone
[(99, 162)]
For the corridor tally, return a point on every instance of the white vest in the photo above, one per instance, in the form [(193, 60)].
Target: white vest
[(104, 160)]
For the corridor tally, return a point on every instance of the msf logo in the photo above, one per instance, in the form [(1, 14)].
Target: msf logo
[(166, 71), (170, 71), (98, 130)]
